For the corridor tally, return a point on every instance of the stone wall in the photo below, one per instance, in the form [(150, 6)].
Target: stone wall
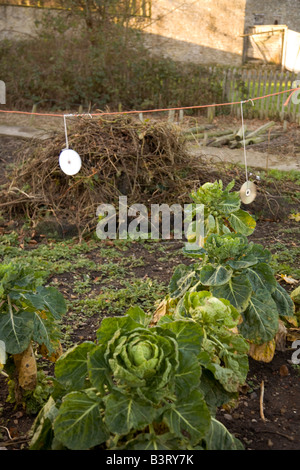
[(17, 22), (203, 31), (200, 32), (281, 12)]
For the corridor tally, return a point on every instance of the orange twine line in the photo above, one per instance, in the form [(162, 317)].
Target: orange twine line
[(293, 90)]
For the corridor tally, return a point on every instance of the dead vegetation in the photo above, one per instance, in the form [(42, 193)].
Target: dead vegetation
[(147, 162), (233, 138)]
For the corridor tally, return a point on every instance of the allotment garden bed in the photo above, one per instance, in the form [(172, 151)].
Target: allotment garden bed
[(103, 279)]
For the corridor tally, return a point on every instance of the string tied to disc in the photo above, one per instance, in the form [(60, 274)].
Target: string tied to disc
[(248, 189), (69, 160)]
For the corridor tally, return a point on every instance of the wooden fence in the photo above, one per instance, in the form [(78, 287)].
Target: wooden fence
[(251, 83), (245, 84)]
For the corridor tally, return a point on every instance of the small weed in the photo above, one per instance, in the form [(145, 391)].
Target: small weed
[(284, 260), (296, 368), (83, 287), (116, 301), (280, 175)]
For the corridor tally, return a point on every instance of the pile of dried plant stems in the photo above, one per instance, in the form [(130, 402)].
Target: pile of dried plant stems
[(233, 138), (148, 162)]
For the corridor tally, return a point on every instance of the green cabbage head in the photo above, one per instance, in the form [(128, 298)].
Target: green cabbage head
[(139, 361), (143, 356)]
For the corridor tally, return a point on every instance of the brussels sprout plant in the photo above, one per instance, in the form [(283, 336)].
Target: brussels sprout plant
[(222, 211), (223, 358), (237, 270), (232, 268), (136, 387), (29, 314)]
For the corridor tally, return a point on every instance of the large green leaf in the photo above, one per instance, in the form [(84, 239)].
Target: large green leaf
[(79, 424), (214, 393), (284, 303), (242, 263), (238, 291), (189, 418), (98, 368), (42, 429), (262, 254), (45, 332), (16, 330), (260, 319), (125, 412), (242, 222), (71, 367), (147, 441), (109, 326), (138, 315), (219, 438), (183, 278), (189, 335), (53, 300), (261, 277), (214, 275), (46, 298), (232, 375), (188, 373), (230, 203)]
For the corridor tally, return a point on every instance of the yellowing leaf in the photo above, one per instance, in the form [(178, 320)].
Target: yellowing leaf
[(53, 356), (27, 369), (280, 338), (161, 310), (289, 279), (291, 321), (293, 334), (263, 352), (295, 217), (295, 295)]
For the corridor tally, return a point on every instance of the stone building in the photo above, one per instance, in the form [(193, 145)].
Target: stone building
[(199, 31)]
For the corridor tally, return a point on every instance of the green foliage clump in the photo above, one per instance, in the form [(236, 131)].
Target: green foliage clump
[(106, 67), (137, 387), (28, 310), (233, 268), (32, 400), (29, 314), (222, 211)]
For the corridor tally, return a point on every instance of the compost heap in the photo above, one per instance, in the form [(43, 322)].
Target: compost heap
[(147, 162)]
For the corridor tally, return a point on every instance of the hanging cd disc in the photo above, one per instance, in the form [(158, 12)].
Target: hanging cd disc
[(69, 162), (248, 192)]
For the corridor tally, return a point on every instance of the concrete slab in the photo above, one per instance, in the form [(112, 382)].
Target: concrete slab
[(24, 132)]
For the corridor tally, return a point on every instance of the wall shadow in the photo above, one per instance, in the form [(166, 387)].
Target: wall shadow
[(18, 22), (189, 52)]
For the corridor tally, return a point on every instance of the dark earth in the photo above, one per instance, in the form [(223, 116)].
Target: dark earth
[(280, 428)]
